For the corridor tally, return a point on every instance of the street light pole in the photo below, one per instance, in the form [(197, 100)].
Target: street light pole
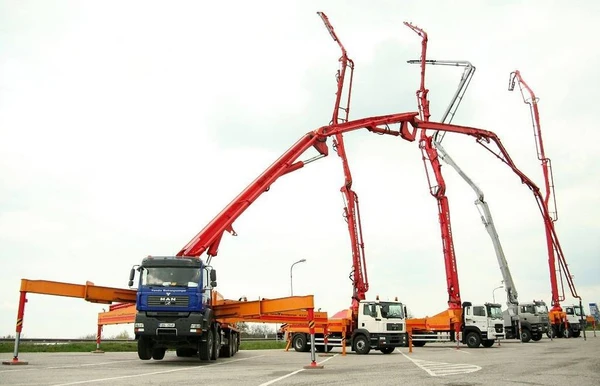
[(494, 292), (291, 278)]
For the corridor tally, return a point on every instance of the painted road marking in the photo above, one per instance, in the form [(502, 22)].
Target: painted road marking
[(442, 369), (293, 373), (156, 372)]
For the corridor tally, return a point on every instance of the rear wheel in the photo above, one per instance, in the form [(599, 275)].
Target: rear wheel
[(418, 343), (576, 334), (144, 347), (388, 350), (537, 336), (473, 340), (227, 350)]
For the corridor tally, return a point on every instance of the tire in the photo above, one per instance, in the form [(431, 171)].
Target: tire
[(144, 347), (205, 348), (473, 339), (361, 345), (537, 337), (388, 350), (419, 343), (525, 335), (567, 332), (227, 350), (216, 345), (158, 353), (299, 343), (576, 334)]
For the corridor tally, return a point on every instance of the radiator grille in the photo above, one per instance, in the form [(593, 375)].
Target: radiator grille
[(169, 301)]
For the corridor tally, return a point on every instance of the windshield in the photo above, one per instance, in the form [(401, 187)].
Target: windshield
[(495, 312), (541, 309), (578, 311), (391, 310), (171, 276)]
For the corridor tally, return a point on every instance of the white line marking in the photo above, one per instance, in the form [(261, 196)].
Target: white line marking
[(92, 364), (462, 351), (293, 373), (441, 369), (155, 372)]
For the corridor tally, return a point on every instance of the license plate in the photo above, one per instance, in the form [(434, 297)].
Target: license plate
[(166, 325)]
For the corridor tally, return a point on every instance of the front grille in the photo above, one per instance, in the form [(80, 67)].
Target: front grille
[(394, 327), (168, 301), (499, 328)]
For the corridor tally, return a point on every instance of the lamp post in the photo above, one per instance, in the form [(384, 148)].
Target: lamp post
[(291, 279), (494, 292)]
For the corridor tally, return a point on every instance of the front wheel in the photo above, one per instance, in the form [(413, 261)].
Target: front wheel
[(488, 343), (388, 350), (536, 337), (525, 336), (473, 340), (144, 348), (361, 345), (158, 353), (205, 349)]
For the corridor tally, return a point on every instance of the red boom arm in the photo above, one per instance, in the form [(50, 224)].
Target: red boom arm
[(483, 138), (358, 275), (209, 238), (557, 296), (430, 154)]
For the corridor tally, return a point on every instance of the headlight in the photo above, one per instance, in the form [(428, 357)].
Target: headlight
[(138, 325), (195, 325)]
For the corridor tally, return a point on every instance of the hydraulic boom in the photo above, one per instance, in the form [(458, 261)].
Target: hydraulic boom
[(431, 159), (358, 275), (557, 316)]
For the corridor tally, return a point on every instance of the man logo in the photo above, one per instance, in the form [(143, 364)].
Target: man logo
[(168, 300)]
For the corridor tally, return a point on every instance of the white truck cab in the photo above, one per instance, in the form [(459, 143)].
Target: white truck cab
[(483, 324)]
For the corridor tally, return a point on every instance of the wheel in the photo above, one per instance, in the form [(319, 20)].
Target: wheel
[(144, 347), (361, 345), (488, 343), (205, 348), (473, 340), (536, 337), (158, 353), (299, 342), (387, 350), (320, 348), (419, 343), (227, 350), (525, 336), (576, 334), (217, 345), (567, 332)]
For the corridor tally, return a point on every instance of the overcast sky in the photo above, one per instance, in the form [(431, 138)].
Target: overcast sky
[(125, 127)]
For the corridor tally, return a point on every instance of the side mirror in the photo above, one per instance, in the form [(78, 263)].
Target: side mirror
[(131, 276), (405, 313), (213, 278)]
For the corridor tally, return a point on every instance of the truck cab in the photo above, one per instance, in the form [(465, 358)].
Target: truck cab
[(377, 325), (380, 325), (174, 309), (482, 324), (534, 320), (575, 315)]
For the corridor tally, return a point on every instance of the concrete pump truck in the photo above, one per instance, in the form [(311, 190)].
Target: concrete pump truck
[(367, 325), (559, 321), (473, 324), (527, 320)]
